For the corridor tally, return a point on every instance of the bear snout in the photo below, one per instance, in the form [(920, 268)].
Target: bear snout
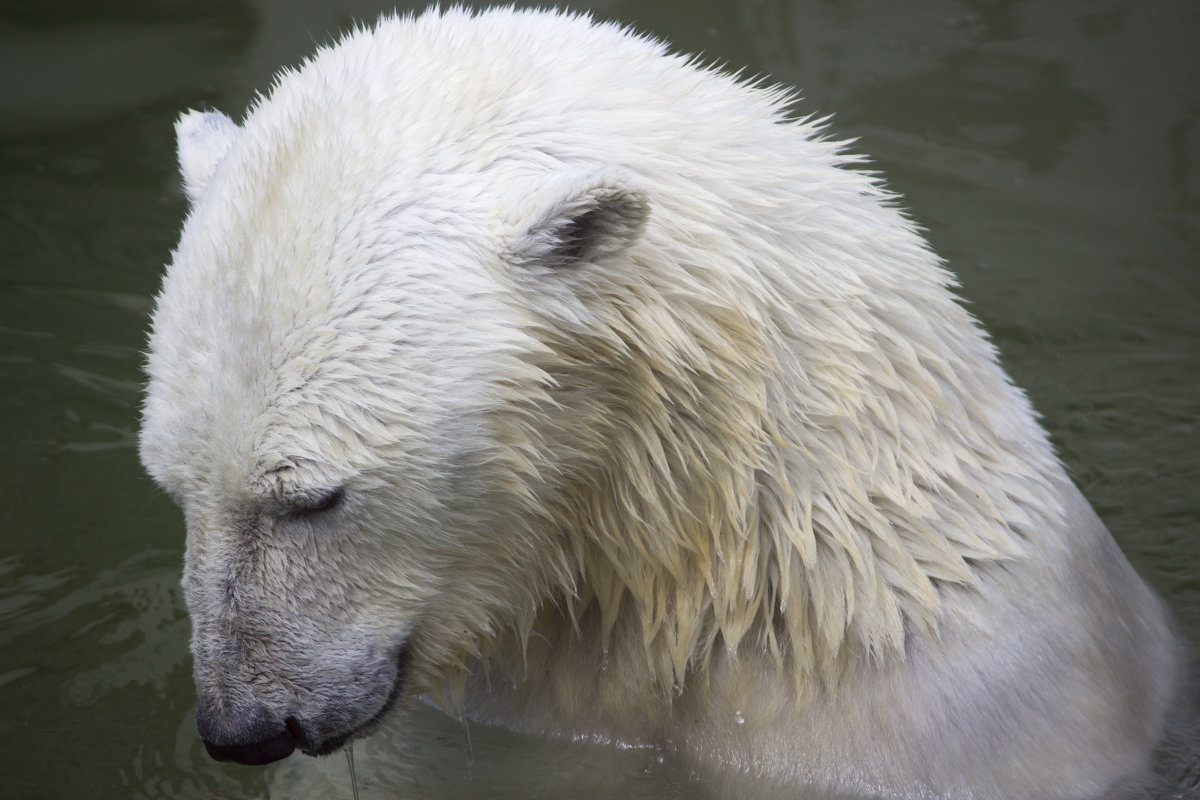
[(248, 732), (247, 738)]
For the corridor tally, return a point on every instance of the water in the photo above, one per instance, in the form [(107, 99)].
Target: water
[(1051, 149)]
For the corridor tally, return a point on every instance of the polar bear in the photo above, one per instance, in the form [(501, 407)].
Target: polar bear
[(511, 358)]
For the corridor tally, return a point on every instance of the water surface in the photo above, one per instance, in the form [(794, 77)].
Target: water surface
[(1052, 150)]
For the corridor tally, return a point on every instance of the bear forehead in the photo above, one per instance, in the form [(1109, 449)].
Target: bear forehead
[(479, 99), (298, 352), (430, 130)]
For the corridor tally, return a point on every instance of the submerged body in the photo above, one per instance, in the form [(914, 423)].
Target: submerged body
[(510, 357)]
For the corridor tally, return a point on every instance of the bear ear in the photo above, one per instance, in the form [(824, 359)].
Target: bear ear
[(202, 137), (584, 218)]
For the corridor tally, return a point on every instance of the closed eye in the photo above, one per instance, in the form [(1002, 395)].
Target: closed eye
[(315, 502)]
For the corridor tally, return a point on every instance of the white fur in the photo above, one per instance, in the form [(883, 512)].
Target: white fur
[(732, 471), (203, 139)]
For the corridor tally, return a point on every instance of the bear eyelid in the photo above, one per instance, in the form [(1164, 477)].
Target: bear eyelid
[(313, 502)]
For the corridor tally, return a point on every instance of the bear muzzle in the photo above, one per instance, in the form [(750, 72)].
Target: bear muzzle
[(251, 734)]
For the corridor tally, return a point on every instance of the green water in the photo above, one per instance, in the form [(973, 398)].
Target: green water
[(1052, 149)]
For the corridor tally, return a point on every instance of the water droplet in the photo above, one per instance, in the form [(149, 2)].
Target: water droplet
[(740, 718)]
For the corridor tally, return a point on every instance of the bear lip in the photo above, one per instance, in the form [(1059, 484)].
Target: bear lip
[(337, 741)]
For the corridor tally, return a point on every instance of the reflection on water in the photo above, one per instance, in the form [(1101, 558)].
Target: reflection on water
[(1051, 149)]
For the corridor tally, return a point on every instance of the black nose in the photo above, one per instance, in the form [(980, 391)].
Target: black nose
[(264, 751), (249, 739)]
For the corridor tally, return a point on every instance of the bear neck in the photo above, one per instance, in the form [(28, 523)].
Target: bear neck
[(803, 492)]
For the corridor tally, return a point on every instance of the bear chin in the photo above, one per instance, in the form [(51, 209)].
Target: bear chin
[(331, 744)]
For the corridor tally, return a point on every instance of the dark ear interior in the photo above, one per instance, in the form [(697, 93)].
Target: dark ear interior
[(596, 219)]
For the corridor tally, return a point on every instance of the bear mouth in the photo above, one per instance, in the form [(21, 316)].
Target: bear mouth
[(334, 743)]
